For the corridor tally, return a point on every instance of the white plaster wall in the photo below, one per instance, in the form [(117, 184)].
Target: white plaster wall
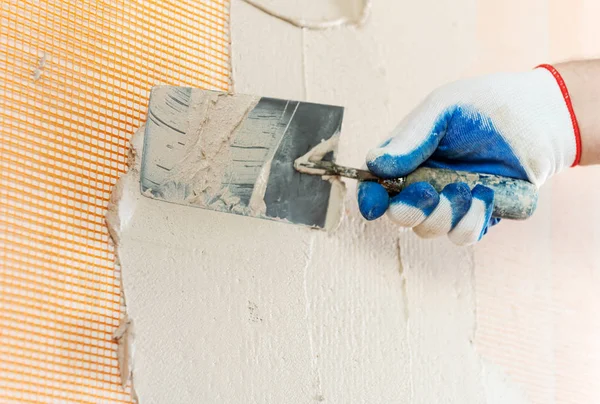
[(231, 309)]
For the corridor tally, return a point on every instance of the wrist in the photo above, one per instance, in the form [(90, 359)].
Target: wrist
[(572, 130), (548, 139), (583, 82)]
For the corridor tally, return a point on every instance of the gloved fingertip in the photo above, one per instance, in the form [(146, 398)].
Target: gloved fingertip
[(459, 195), (473, 226), (412, 206), (494, 221), (377, 157), (386, 165), (486, 195), (421, 195), (373, 200), (402, 153), (491, 223)]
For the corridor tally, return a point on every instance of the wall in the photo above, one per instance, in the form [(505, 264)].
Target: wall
[(230, 309), (536, 305)]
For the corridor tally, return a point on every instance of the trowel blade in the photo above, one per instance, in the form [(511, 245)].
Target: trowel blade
[(235, 154)]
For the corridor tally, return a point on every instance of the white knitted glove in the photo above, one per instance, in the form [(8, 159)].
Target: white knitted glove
[(518, 125)]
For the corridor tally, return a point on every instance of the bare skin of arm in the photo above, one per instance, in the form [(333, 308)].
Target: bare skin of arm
[(583, 82)]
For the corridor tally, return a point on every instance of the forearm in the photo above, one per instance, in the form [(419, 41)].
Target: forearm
[(582, 79)]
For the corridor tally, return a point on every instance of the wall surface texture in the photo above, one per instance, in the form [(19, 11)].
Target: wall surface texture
[(233, 309)]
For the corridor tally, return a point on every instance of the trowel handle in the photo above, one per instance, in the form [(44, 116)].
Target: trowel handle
[(513, 199)]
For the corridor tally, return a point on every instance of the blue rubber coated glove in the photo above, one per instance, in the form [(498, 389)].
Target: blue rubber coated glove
[(518, 125)]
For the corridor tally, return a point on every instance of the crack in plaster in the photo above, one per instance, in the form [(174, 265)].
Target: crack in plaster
[(404, 291), (403, 281), (309, 322), (304, 69)]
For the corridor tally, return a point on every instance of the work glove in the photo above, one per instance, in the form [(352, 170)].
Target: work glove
[(518, 125)]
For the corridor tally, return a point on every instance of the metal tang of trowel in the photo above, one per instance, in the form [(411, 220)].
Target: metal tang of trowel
[(271, 158)]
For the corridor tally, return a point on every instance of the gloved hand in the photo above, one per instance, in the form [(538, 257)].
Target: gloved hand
[(518, 125)]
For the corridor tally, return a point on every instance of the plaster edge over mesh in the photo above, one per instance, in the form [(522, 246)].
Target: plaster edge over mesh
[(122, 207), (120, 210)]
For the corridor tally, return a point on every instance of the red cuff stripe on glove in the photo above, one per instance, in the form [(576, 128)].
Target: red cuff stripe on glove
[(567, 97)]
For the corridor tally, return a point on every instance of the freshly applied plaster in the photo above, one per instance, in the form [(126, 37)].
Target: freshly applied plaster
[(257, 200), (317, 25), (335, 208), (202, 169), (339, 322), (316, 154), (234, 153)]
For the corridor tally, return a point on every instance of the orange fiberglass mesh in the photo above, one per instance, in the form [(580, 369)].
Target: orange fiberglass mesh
[(74, 82)]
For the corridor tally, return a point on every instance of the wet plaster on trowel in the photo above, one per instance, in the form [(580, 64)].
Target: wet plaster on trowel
[(257, 200), (217, 153), (316, 154), (198, 178), (336, 204), (340, 321)]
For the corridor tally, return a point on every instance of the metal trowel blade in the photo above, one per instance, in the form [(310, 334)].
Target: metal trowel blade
[(235, 154)]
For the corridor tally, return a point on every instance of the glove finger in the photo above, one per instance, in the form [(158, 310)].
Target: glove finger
[(412, 142), (411, 206), (473, 225), (492, 222), (373, 200), (455, 201)]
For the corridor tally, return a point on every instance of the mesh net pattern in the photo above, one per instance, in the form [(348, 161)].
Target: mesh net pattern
[(74, 82)]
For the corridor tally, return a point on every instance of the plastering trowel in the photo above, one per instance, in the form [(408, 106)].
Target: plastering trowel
[(271, 158)]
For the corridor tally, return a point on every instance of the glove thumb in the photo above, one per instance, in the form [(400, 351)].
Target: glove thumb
[(412, 142)]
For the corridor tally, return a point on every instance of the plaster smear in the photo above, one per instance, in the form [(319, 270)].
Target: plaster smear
[(317, 25), (231, 153), (198, 178), (257, 200), (336, 204), (231, 309), (316, 154)]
